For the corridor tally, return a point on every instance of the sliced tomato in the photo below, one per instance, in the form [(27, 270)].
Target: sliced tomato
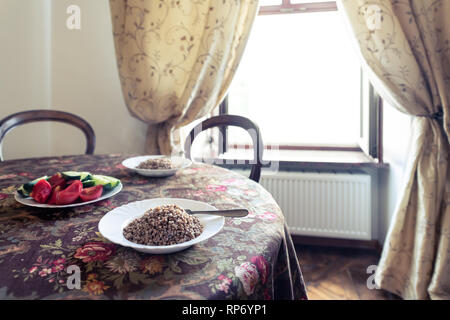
[(52, 198), (57, 180), (70, 194), (92, 193), (41, 191)]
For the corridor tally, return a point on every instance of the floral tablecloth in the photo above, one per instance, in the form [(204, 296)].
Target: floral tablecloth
[(40, 249)]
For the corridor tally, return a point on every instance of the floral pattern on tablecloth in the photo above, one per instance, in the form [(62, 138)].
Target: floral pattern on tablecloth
[(41, 249)]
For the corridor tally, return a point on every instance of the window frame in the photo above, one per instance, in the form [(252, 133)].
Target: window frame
[(370, 142), (287, 7)]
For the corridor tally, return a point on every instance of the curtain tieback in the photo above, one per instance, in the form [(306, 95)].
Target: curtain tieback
[(438, 116)]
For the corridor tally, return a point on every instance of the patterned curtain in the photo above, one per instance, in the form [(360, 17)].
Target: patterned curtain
[(176, 59), (405, 47)]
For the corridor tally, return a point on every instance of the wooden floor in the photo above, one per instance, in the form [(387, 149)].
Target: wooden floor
[(338, 273)]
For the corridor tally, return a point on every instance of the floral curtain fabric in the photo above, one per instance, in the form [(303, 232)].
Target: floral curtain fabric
[(176, 59), (405, 48)]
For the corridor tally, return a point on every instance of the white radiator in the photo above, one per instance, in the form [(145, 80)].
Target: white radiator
[(335, 205)]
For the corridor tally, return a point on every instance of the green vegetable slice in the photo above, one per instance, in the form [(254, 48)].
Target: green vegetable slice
[(88, 183), (74, 175), (108, 183)]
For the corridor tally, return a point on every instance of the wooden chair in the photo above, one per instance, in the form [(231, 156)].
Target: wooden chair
[(237, 121), (17, 119)]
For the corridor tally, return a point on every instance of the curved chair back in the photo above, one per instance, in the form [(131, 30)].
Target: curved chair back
[(236, 121), (17, 119)]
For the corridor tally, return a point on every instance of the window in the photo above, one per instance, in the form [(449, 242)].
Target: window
[(300, 80)]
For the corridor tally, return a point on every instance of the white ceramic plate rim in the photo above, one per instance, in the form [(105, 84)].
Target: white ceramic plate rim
[(32, 203), (106, 227), (127, 164)]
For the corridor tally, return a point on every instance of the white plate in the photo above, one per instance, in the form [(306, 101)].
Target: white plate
[(112, 224), (178, 162), (32, 203)]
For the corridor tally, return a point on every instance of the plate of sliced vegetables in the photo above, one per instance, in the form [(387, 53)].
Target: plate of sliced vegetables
[(67, 189)]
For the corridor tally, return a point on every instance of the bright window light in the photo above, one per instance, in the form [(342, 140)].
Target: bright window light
[(299, 80)]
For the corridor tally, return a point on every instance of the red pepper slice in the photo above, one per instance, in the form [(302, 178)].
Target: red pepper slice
[(70, 194), (41, 191), (92, 193)]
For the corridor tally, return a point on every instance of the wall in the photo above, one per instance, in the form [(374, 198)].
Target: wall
[(85, 79), (25, 72), (46, 65)]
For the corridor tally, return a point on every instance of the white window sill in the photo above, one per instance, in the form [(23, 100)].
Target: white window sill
[(308, 159)]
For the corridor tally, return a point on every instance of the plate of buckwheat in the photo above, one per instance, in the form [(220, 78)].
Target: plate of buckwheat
[(160, 226), (156, 166)]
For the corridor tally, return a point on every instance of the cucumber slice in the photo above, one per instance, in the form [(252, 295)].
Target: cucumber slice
[(26, 188), (85, 176), (74, 175), (108, 183), (22, 192), (88, 183)]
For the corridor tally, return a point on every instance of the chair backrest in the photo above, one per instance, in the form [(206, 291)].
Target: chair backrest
[(17, 119), (236, 121)]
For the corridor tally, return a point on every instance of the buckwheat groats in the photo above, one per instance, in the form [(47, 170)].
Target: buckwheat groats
[(162, 226), (153, 164)]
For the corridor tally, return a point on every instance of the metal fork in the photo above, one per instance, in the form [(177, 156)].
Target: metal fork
[(236, 213)]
